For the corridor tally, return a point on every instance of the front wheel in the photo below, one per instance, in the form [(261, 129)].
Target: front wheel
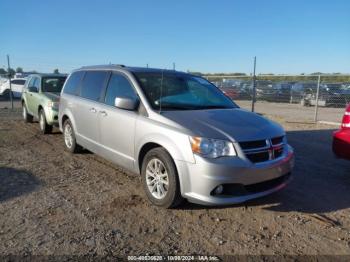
[(160, 179), (45, 128), (69, 137), (26, 117)]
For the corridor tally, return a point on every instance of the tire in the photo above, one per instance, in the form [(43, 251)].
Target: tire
[(159, 163), (26, 117), (70, 143), (45, 128)]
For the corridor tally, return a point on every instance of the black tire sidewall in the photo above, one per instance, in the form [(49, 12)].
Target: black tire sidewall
[(173, 196), (27, 118), (47, 128)]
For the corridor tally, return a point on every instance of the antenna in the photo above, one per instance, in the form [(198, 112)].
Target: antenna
[(161, 92)]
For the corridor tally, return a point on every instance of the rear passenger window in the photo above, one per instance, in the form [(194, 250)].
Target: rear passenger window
[(18, 82), (93, 84), (73, 82), (118, 86)]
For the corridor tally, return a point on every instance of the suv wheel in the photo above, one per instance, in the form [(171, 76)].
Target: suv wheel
[(44, 126), (69, 137), (26, 117), (160, 179)]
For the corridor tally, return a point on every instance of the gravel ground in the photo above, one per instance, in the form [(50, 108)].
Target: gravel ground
[(295, 112), (55, 203)]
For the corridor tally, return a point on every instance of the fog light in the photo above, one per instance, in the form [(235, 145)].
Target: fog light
[(218, 190)]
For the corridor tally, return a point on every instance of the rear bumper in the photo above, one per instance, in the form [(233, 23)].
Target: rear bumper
[(240, 179), (341, 144)]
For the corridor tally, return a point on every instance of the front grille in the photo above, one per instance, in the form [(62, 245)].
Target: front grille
[(252, 144), (263, 150), (243, 190), (264, 186), (258, 157), (277, 140)]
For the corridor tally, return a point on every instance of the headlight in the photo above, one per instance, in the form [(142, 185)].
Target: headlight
[(53, 105), (211, 148)]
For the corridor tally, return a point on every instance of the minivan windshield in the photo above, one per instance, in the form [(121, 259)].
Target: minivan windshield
[(53, 84), (174, 91)]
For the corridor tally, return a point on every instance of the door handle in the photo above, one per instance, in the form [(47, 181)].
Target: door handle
[(93, 110), (103, 113)]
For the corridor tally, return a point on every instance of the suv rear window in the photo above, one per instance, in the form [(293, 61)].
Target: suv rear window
[(73, 82), (52, 84), (93, 84), (18, 81)]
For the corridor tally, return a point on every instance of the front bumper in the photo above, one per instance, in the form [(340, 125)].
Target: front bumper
[(51, 116), (241, 179)]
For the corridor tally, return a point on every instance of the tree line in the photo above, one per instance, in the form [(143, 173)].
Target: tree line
[(19, 70)]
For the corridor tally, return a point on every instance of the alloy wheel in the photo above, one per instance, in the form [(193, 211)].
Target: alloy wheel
[(157, 178)]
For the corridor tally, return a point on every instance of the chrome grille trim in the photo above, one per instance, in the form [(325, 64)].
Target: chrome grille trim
[(256, 155)]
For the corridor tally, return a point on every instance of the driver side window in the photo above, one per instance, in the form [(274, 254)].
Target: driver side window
[(118, 86), (37, 84), (34, 84)]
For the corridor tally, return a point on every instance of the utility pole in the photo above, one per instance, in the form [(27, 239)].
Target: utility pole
[(174, 66), (9, 76), (147, 65), (254, 85), (317, 95)]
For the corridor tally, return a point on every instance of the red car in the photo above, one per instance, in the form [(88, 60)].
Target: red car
[(341, 137), (230, 92)]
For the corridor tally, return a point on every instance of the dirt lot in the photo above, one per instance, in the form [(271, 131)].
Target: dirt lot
[(54, 203), (295, 112)]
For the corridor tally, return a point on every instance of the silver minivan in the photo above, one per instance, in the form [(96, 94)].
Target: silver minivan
[(183, 136)]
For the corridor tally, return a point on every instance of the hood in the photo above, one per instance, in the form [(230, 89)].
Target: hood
[(234, 124), (52, 96)]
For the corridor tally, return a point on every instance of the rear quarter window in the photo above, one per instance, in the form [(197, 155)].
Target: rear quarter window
[(72, 85)]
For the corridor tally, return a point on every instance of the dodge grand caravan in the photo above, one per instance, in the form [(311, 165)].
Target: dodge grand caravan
[(178, 131)]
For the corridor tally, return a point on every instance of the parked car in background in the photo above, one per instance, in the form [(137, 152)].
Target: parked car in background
[(277, 92), (230, 92), (341, 138), (178, 131), (40, 99), (333, 94), (329, 94), (300, 92), (16, 87), (263, 89)]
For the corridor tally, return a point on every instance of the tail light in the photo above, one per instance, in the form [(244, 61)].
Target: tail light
[(346, 118)]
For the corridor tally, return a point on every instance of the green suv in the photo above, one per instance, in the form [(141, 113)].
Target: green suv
[(40, 99)]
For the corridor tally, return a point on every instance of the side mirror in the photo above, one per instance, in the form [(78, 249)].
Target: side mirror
[(126, 103), (32, 89)]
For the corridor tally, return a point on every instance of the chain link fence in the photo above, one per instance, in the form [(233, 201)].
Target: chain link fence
[(300, 98), (297, 98)]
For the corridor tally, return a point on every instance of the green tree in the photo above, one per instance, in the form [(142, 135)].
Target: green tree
[(19, 70), (2, 71), (56, 71)]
